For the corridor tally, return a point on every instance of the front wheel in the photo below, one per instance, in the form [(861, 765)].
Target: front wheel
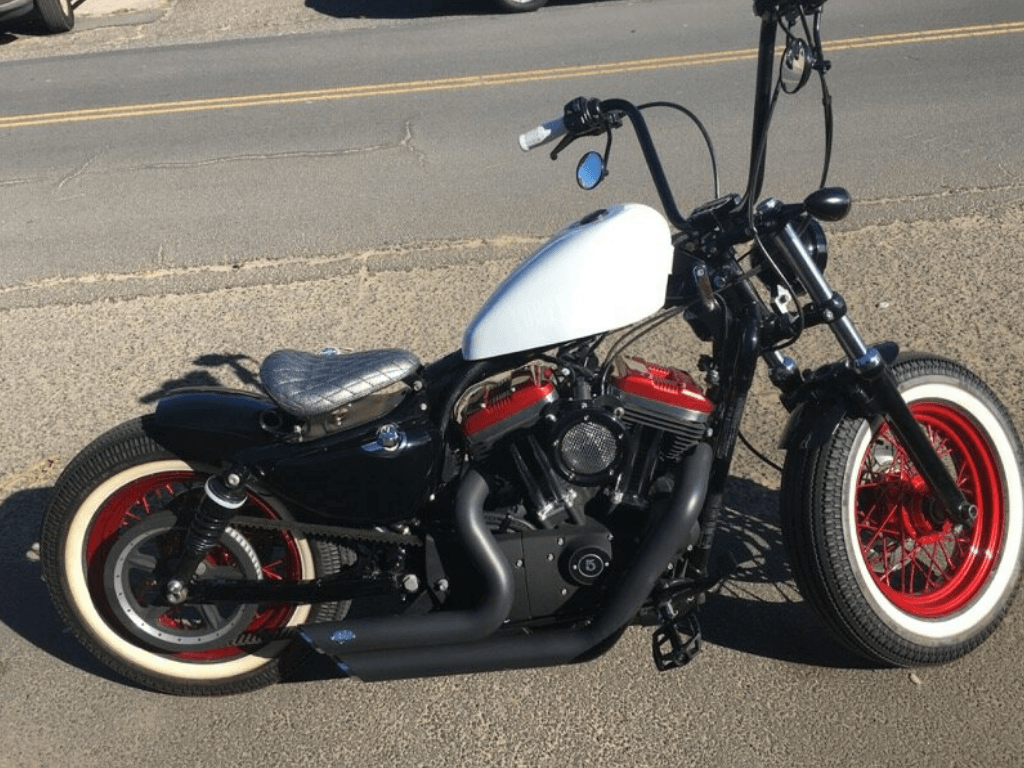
[(870, 547), (118, 515)]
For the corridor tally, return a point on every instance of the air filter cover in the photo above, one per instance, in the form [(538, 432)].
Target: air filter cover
[(588, 446)]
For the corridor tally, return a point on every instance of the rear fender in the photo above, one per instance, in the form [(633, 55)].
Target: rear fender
[(212, 424), (346, 476)]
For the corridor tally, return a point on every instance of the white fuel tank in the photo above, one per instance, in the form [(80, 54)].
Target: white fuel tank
[(606, 271)]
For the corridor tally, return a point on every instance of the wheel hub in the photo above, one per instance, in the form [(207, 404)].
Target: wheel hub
[(137, 570), (922, 516)]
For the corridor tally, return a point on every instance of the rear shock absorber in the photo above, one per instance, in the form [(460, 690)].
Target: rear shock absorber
[(224, 497)]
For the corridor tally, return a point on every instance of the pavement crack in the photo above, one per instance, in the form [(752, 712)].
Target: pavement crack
[(943, 193), (78, 172), (23, 180), (365, 263), (406, 143)]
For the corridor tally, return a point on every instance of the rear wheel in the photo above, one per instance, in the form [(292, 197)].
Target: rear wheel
[(871, 549), (119, 513)]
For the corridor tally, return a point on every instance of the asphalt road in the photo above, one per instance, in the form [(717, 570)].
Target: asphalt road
[(342, 141), (83, 347)]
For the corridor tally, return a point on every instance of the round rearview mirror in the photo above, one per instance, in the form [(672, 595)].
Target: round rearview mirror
[(795, 69), (591, 170)]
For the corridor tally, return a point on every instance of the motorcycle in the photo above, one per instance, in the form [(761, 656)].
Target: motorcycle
[(524, 500)]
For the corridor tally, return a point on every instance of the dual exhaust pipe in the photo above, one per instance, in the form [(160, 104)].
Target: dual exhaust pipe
[(466, 641)]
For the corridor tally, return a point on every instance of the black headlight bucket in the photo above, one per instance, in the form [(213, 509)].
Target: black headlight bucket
[(813, 236)]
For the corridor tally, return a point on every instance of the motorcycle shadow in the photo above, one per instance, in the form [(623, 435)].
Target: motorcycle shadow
[(756, 609), (241, 370), (25, 607), (410, 9)]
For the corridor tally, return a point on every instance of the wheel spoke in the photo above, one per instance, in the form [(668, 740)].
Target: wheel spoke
[(931, 568), (272, 571), (880, 529), (909, 548), (907, 566), (142, 561), (212, 617), (155, 615)]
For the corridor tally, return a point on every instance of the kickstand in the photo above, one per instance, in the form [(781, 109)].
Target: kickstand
[(676, 642)]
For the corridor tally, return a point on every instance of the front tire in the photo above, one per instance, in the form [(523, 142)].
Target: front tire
[(113, 516), (872, 552)]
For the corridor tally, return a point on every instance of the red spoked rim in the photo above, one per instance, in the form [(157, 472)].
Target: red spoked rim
[(277, 551), (919, 559)]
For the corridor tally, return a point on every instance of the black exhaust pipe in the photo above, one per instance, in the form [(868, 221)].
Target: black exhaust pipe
[(673, 531), (378, 633)]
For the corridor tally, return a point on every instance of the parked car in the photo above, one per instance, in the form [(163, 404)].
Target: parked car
[(56, 15), (515, 6)]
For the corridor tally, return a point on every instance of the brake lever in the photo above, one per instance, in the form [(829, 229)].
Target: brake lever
[(566, 140), (607, 123)]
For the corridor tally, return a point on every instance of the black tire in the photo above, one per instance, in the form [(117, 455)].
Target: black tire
[(57, 15), (519, 6), (893, 581), (111, 512)]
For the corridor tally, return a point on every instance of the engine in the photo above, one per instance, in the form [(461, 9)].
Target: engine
[(564, 453), (565, 445)]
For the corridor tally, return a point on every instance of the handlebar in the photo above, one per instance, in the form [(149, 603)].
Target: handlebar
[(594, 117)]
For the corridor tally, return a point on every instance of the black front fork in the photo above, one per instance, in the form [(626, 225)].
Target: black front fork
[(224, 495), (873, 371)]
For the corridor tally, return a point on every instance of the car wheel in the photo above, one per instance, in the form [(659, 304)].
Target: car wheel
[(57, 15)]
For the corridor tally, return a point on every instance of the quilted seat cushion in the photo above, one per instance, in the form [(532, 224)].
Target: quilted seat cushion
[(308, 385)]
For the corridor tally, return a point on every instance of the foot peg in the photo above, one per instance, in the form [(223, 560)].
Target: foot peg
[(676, 642)]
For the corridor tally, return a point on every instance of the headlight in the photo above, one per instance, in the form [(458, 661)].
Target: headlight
[(813, 237)]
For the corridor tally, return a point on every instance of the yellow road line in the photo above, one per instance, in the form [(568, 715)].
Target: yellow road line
[(484, 81)]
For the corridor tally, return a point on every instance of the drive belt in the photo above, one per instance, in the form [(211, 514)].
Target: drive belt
[(330, 532)]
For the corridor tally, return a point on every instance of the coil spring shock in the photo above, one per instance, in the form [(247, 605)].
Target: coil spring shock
[(224, 497)]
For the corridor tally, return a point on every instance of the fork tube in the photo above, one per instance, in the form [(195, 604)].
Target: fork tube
[(869, 365)]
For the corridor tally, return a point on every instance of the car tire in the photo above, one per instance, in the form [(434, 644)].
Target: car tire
[(57, 15)]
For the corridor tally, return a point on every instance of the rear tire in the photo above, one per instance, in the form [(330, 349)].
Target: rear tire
[(113, 513), (870, 550)]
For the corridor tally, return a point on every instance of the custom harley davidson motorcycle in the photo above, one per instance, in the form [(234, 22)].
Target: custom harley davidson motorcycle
[(523, 500)]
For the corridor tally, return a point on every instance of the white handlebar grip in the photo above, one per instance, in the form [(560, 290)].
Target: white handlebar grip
[(542, 134)]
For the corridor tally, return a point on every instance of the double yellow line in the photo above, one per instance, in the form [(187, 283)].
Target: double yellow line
[(483, 81)]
